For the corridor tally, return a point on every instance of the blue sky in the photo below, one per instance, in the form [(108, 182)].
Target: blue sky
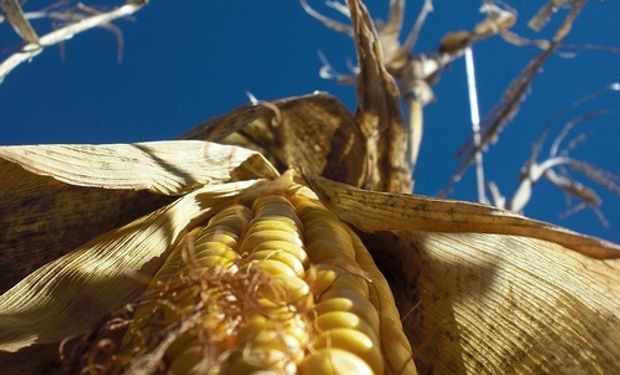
[(184, 64)]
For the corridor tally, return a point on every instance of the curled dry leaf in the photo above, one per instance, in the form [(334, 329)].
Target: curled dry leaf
[(42, 218), (447, 285), (316, 133), (378, 116), (378, 113), (54, 198), (68, 295)]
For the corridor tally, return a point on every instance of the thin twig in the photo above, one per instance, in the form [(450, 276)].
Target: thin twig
[(328, 22), (602, 177), (555, 147), (396, 16), (499, 200), (327, 71), (536, 148), (541, 18), (340, 7), (31, 50), (415, 130), (413, 35)]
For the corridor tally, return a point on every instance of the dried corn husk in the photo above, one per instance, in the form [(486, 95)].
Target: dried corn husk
[(70, 294), (313, 131), (54, 198)]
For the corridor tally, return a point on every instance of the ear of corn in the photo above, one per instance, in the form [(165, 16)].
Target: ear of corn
[(274, 283)]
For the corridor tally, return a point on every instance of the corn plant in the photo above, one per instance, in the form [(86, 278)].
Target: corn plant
[(283, 237)]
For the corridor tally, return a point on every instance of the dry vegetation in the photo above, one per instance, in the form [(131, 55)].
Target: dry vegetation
[(479, 288)]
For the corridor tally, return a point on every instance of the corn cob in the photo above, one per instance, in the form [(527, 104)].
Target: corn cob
[(275, 283)]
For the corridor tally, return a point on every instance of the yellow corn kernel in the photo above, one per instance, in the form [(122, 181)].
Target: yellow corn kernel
[(221, 235), (272, 337), (273, 223), (252, 240), (327, 277), (327, 250), (276, 206), (334, 362), (345, 319), (398, 353), (293, 249), (355, 342), (326, 227), (289, 324), (259, 361), (329, 241), (206, 249), (352, 302), (280, 255), (269, 266), (185, 362)]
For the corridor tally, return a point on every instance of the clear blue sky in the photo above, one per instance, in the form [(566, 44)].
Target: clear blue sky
[(187, 61)]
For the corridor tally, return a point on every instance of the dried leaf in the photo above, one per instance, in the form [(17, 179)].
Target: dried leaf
[(414, 33), (575, 8), (602, 177), (376, 211), (541, 18), (54, 198), (515, 94), (67, 296), (218, 128), (378, 113), (507, 304), (13, 11), (37, 359), (389, 33), (167, 167), (396, 16), (316, 133), (42, 218)]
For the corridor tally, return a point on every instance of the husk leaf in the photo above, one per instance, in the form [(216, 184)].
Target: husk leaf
[(378, 211), (54, 198), (165, 167), (67, 296), (314, 132), (496, 304)]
